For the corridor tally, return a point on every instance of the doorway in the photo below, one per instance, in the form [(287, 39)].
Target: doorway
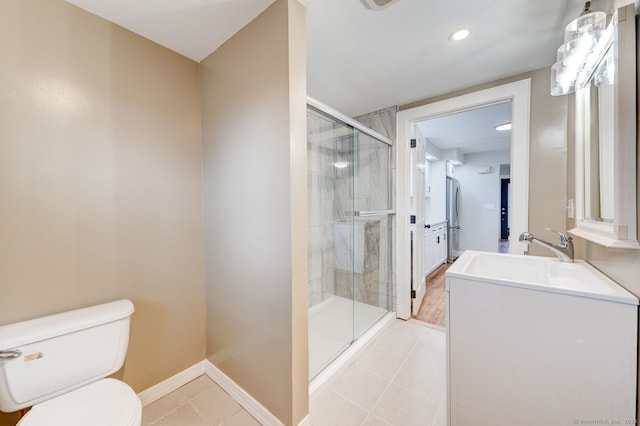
[(519, 94), (504, 208), (505, 195), (463, 155)]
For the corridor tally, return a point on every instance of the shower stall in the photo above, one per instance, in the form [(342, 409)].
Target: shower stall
[(349, 187)]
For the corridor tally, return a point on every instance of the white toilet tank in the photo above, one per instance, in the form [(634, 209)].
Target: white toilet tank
[(45, 357)]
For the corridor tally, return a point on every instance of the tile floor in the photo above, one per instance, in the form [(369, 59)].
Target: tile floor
[(200, 402), (397, 380)]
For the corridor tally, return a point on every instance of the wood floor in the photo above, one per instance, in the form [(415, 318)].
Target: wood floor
[(432, 309)]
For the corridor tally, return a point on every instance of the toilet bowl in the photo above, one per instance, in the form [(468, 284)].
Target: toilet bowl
[(57, 366)]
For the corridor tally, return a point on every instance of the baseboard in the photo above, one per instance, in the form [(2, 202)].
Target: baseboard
[(165, 387), (306, 421), (259, 412), (205, 367)]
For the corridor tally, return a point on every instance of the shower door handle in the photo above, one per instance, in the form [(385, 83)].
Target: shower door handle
[(374, 212)]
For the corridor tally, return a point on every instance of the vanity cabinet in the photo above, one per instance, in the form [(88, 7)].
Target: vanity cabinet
[(534, 341), (435, 246)]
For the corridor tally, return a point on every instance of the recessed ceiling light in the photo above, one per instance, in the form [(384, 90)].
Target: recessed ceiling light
[(503, 127), (459, 35)]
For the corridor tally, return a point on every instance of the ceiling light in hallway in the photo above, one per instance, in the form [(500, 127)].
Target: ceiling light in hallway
[(460, 34), (378, 4)]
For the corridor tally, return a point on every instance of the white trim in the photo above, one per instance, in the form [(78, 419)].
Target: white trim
[(519, 93), (603, 239), (167, 386), (249, 403), (345, 359), (306, 421)]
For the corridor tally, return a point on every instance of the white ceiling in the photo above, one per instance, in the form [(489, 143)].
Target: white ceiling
[(470, 131), (361, 60), (193, 28)]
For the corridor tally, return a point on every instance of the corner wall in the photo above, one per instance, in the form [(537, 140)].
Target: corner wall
[(255, 195), (100, 181)]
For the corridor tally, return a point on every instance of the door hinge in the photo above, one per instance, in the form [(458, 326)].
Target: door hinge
[(413, 143), (412, 219), (413, 294)]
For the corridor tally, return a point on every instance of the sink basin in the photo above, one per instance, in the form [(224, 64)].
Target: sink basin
[(539, 273)]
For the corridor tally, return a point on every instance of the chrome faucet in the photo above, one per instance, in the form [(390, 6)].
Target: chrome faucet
[(564, 250)]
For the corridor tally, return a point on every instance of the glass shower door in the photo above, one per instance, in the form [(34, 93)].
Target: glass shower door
[(349, 235), (372, 231), (330, 187)]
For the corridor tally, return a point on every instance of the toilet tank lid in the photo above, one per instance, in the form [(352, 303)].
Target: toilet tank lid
[(35, 330)]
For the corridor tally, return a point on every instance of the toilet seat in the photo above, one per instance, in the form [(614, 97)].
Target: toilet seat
[(106, 402)]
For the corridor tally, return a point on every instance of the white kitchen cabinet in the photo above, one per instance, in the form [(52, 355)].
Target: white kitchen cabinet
[(435, 247)]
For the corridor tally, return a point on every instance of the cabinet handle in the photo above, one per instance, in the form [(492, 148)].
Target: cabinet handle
[(427, 226), (10, 354)]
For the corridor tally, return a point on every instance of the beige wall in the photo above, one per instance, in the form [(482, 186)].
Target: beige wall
[(254, 156), (100, 181), (547, 153)]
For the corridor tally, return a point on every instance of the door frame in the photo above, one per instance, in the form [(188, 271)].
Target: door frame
[(519, 93)]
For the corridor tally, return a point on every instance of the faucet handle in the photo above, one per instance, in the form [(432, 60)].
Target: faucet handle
[(564, 238)]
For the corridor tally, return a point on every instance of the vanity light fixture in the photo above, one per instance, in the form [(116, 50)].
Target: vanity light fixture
[(460, 34), (586, 40), (503, 127), (340, 164)]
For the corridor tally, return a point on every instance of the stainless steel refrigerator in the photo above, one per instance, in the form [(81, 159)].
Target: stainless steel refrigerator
[(454, 204)]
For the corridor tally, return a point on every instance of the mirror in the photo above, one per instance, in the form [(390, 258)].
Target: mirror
[(606, 139), (597, 104)]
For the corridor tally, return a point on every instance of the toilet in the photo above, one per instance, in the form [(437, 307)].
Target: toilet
[(58, 365)]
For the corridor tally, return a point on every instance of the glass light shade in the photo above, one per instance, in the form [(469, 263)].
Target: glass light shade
[(576, 49), (560, 54), (589, 22), (583, 41), (562, 80)]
